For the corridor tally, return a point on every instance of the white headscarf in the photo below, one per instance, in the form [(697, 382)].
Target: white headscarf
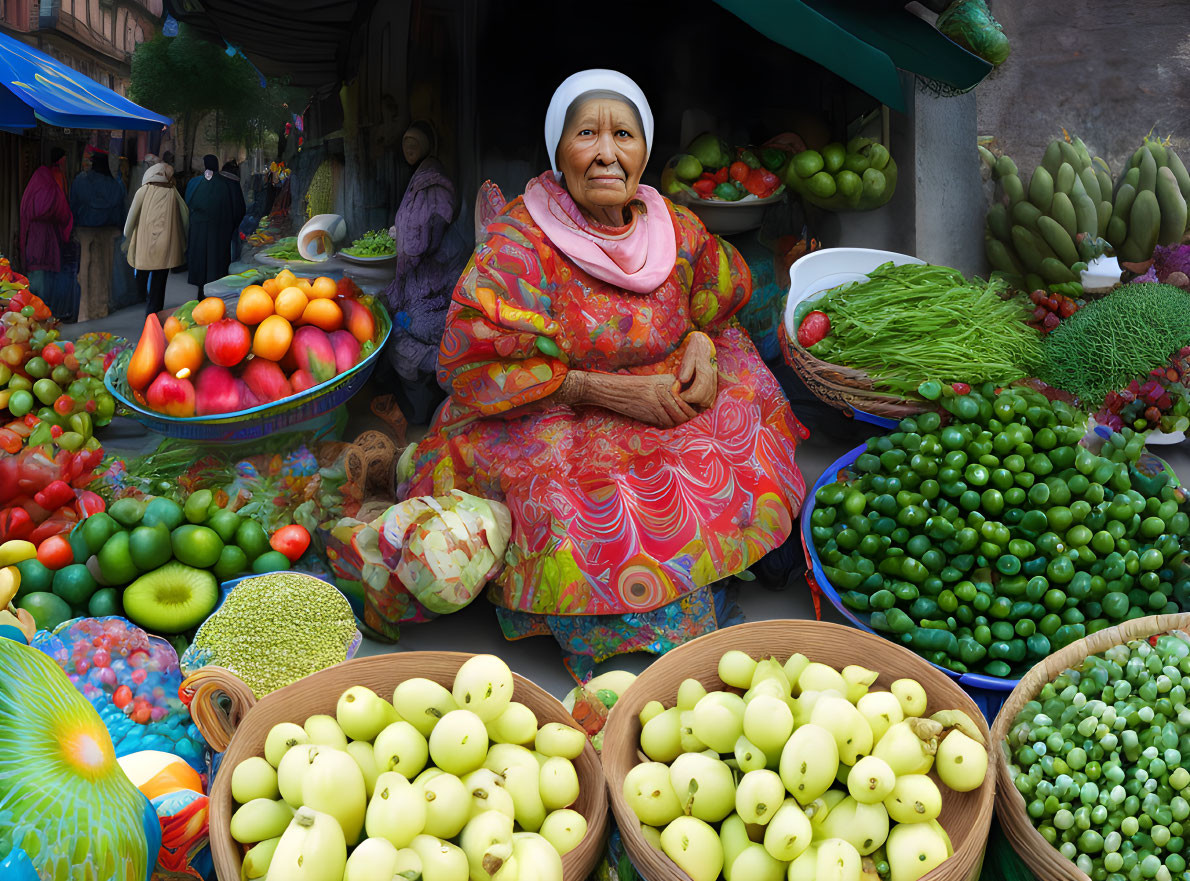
[(596, 79)]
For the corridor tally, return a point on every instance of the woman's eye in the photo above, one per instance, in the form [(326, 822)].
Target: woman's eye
[(623, 133)]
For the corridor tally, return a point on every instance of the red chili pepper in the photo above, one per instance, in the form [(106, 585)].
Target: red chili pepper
[(57, 494), (15, 523)]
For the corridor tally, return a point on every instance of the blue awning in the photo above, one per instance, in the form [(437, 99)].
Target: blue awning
[(33, 86)]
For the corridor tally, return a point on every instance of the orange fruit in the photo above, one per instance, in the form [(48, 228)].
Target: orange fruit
[(285, 279), (208, 311), (323, 313), (254, 305), (303, 284), (272, 338), (323, 288), (172, 327), (291, 303), (184, 354), (271, 286)]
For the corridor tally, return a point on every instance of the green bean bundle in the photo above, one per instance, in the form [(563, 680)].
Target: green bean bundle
[(909, 324)]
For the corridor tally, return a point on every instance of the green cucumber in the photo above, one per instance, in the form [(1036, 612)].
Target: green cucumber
[(1041, 189), (1123, 204), (1117, 232), (986, 155), (1105, 184), (1062, 210), (1056, 272), (1180, 174), (1084, 154), (1070, 154), (1064, 179), (1025, 214), (1030, 248), (1004, 167), (1085, 211), (1159, 152), (1091, 184), (1058, 239), (1001, 258), (999, 224), (1052, 158), (1173, 208), (1104, 212), (1134, 161), (1144, 225), (1148, 172), (1012, 187)]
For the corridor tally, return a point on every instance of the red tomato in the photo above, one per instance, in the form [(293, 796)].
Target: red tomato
[(291, 540), (721, 175), (55, 553), (814, 327), (704, 188), (739, 171)]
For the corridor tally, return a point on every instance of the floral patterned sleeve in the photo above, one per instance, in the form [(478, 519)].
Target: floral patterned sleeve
[(721, 283), (499, 350)]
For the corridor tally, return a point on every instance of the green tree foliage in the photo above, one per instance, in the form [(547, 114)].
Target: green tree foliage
[(189, 77)]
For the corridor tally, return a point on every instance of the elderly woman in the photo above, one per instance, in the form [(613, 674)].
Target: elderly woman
[(603, 392)]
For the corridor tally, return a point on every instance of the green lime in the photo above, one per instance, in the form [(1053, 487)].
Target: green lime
[(47, 391), (196, 546), (150, 547), (48, 611), (105, 601), (271, 561), (128, 512), (78, 544), (35, 577), (115, 560), (834, 155), (37, 367), (97, 529), (20, 403), (232, 562), (821, 185), (20, 383), (198, 506), (807, 163), (252, 539), (166, 511), (856, 163), (849, 184), (225, 523), (74, 584)]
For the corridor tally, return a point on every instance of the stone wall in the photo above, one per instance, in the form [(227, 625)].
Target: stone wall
[(1107, 70)]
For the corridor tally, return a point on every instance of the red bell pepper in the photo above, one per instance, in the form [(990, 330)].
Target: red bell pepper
[(15, 523), (57, 494), (89, 503)]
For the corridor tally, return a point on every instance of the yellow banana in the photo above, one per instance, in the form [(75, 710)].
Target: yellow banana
[(16, 551), (10, 583)]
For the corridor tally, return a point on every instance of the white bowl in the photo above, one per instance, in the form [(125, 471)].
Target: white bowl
[(828, 268), (729, 218)]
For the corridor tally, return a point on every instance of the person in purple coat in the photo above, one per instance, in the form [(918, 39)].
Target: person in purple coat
[(430, 258)]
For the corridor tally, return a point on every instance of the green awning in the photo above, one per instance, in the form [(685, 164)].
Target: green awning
[(864, 42)]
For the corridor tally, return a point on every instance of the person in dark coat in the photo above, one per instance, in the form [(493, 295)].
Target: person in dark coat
[(211, 223), (231, 174)]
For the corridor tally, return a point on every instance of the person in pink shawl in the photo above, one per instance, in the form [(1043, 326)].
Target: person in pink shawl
[(46, 223), (603, 391)]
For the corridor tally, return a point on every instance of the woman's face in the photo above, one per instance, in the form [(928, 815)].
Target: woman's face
[(602, 154), (415, 145)]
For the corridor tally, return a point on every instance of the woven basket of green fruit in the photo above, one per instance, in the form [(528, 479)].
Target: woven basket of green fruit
[(858, 760), (1087, 755), (423, 786)]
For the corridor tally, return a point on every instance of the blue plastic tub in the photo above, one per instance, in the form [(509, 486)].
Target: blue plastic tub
[(256, 422), (988, 692)]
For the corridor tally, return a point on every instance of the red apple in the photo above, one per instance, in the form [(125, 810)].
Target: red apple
[(227, 342)]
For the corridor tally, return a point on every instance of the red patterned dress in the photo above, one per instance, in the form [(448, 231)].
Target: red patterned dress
[(618, 527)]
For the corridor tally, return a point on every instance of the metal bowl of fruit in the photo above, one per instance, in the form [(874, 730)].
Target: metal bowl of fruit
[(728, 218), (263, 419)]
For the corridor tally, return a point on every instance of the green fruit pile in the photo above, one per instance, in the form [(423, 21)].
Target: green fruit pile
[(857, 177), (155, 561), (1046, 233)]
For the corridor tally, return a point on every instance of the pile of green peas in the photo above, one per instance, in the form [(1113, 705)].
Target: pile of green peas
[(1098, 758), (988, 542)]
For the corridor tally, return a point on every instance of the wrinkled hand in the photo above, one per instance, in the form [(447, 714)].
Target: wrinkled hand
[(698, 374), (653, 400)]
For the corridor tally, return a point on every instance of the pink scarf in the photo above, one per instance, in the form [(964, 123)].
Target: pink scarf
[(638, 257)]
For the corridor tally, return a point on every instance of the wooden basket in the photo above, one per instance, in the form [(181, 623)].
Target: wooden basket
[(846, 388), (218, 710), (1039, 855), (966, 816)]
